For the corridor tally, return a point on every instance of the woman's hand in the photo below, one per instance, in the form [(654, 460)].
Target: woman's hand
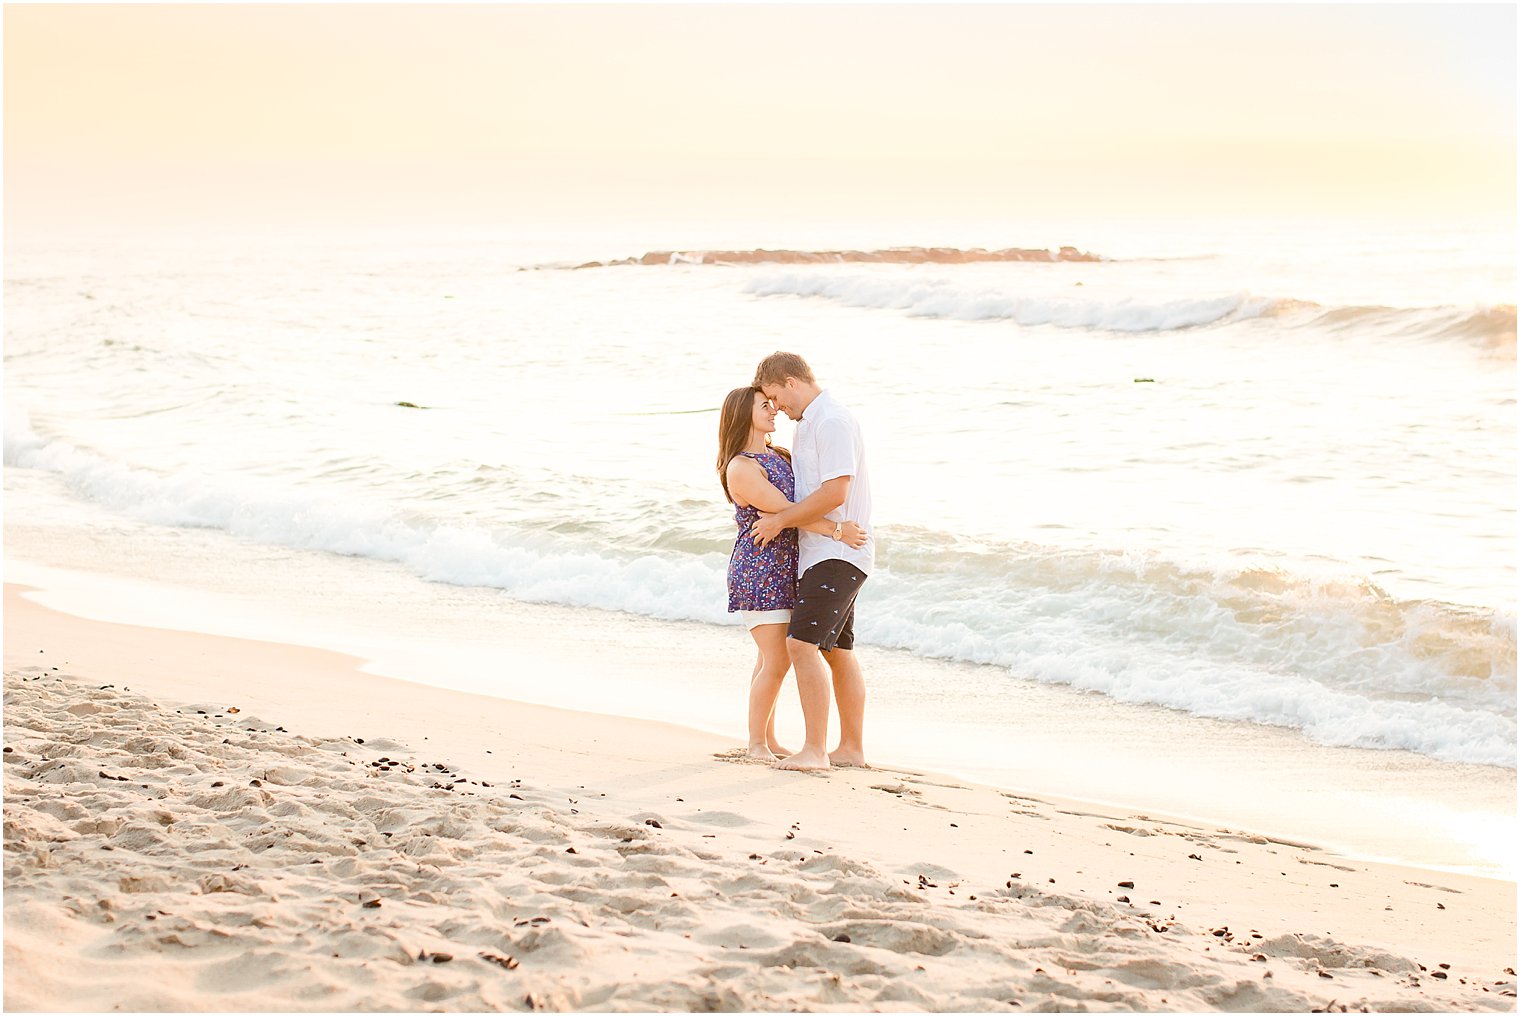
[(853, 536)]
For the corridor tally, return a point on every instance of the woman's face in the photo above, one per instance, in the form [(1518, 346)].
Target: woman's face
[(764, 416)]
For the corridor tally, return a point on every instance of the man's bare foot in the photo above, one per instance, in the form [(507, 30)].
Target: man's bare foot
[(840, 757), (807, 758), (760, 752), (779, 751)]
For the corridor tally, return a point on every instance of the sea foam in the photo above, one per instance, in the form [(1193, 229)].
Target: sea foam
[(1334, 658), (533, 566)]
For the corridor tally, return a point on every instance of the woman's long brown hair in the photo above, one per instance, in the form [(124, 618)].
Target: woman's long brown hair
[(733, 431)]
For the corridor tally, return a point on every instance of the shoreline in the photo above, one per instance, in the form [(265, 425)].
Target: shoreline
[(1361, 803), (783, 864)]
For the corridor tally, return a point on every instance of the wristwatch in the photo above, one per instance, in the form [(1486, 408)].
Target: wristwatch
[(839, 530)]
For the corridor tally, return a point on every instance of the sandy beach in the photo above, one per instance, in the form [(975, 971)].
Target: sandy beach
[(372, 379), (196, 822)]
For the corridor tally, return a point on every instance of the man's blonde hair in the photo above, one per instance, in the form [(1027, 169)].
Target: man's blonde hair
[(776, 368)]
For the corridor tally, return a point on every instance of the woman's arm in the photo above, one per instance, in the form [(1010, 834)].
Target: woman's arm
[(749, 485)]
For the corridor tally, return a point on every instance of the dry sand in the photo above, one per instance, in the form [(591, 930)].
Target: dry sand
[(199, 823)]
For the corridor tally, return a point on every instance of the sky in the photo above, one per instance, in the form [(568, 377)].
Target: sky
[(487, 113)]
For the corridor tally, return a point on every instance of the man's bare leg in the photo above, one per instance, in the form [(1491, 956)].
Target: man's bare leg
[(813, 689), (850, 698)]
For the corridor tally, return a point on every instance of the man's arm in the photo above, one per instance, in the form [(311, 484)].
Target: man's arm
[(747, 481), (810, 509)]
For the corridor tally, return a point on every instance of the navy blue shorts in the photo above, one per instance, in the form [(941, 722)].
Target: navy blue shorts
[(825, 610)]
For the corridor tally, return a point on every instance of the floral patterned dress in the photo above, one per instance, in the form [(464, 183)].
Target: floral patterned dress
[(764, 578)]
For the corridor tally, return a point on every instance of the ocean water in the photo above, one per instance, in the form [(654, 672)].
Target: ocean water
[(1260, 474)]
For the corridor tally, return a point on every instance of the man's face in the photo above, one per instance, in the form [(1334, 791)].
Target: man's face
[(783, 397)]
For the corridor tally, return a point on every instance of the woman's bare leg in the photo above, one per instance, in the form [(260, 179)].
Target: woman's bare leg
[(764, 688), (770, 734)]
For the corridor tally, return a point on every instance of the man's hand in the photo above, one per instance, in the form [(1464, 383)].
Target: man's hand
[(766, 528)]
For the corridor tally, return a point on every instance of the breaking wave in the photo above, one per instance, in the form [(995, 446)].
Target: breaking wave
[(1492, 327), (1332, 656)]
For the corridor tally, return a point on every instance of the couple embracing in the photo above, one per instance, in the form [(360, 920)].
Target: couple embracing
[(803, 552)]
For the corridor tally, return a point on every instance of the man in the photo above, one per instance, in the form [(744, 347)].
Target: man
[(829, 460)]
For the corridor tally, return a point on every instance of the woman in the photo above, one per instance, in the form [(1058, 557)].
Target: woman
[(762, 581)]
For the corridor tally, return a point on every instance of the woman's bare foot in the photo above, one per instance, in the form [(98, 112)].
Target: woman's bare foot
[(760, 752), (779, 751), (807, 758), (840, 757)]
